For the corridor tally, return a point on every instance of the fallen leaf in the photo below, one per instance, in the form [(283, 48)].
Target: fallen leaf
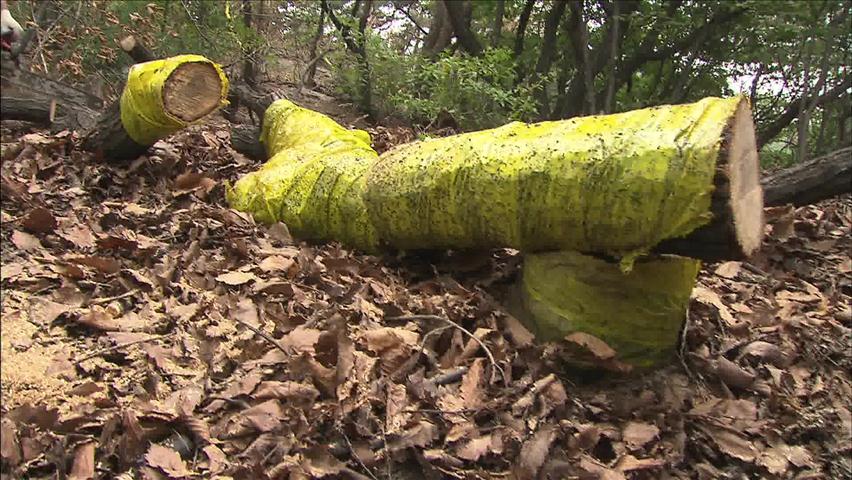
[(26, 242), (84, 462), (39, 220), (592, 344), (278, 231), (44, 312), (80, 235), (711, 298), (105, 265), (637, 434), (629, 463), (276, 263), (301, 339), (167, 460), (732, 374), (729, 269), (236, 278), (535, 451), (471, 386), (475, 448), (734, 445), (99, 319)]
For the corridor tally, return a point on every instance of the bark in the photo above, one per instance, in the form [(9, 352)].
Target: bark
[(791, 111), (809, 182), (250, 67), (440, 31), (311, 70), (459, 14), (133, 48), (356, 43), (246, 140), (548, 50), (497, 25), (583, 82), (609, 97), (523, 21)]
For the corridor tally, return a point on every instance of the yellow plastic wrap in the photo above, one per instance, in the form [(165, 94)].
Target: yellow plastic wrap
[(616, 184), (315, 178), (638, 314), (143, 114)]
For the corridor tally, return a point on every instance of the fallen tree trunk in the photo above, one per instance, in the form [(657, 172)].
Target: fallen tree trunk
[(160, 97), (614, 185), (817, 179)]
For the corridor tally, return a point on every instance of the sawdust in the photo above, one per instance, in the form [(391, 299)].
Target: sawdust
[(24, 363)]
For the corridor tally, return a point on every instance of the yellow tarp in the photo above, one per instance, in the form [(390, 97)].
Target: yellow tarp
[(616, 184), (142, 112), (639, 314)]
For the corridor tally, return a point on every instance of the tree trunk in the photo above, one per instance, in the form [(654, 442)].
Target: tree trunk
[(614, 54), (497, 25), (310, 72), (459, 14), (809, 182), (136, 50), (440, 31), (548, 50), (523, 21)]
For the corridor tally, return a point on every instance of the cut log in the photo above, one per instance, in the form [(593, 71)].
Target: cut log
[(189, 92), (817, 179), (136, 50), (736, 230), (617, 185)]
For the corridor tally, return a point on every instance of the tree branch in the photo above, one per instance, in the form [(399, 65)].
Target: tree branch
[(460, 20)]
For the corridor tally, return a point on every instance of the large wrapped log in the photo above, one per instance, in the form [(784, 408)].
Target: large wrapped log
[(618, 185)]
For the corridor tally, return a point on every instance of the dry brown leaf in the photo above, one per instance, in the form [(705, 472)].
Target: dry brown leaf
[(274, 263), (732, 374), (534, 452), (278, 231), (734, 445), (105, 265), (39, 220), (294, 391), (78, 234), (711, 298), (320, 463), (236, 278), (10, 271), (729, 269), (629, 463), (84, 462), (475, 448), (10, 447), (592, 344), (99, 319), (216, 458), (44, 312), (637, 434), (419, 435), (26, 242), (471, 385), (301, 339), (167, 460)]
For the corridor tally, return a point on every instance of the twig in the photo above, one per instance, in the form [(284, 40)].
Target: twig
[(415, 318), (355, 454), (262, 335), (448, 377), (100, 301), (118, 347)]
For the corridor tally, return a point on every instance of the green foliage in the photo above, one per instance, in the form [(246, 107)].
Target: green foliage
[(478, 92)]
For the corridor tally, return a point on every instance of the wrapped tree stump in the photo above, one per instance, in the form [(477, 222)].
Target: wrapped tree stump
[(639, 314), (160, 98)]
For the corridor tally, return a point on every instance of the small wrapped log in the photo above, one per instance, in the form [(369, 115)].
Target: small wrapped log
[(160, 97)]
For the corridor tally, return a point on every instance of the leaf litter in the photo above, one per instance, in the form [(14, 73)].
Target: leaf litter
[(151, 332)]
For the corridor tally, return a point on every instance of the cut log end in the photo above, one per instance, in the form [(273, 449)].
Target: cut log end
[(736, 231), (743, 171), (192, 91)]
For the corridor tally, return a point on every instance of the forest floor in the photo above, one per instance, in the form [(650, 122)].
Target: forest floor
[(132, 298)]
